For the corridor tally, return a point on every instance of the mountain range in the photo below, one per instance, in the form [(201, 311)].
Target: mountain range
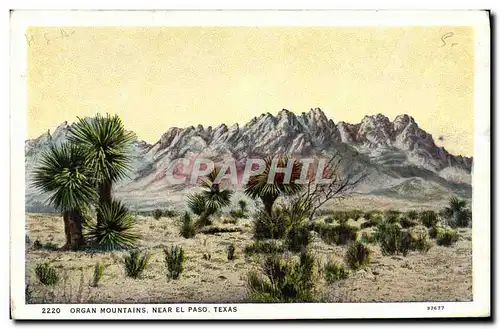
[(401, 159)]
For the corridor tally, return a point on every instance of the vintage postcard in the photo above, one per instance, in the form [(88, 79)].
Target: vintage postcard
[(250, 164)]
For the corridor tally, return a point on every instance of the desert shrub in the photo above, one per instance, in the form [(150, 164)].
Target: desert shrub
[(406, 222), (174, 260), (420, 238), (334, 271), (392, 239), (197, 203), (272, 226), (330, 220), (433, 231), (392, 216), (230, 252), (135, 263), (412, 215), (429, 218), (113, 229), (283, 280), (231, 220), (98, 271), (46, 274), (27, 239), (446, 236), (357, 255), (212, 229), (373, 219), (169, 213), (187, 227), (241, 212), (37, 245), (335, 234), (263, 247), (354, 214), (297, 238), (367, 238), (157, 214)]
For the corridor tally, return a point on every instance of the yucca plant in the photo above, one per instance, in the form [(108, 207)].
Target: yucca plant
[(106, 144), (267, 188), (98, 272), (334, 271), (46, 274), (210, 200), (174, 260), (357, 255), (187, 227), (61, 171), (113, 229), (135, 263), (392, 239)]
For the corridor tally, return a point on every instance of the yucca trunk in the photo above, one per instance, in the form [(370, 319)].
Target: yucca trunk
[(75, 221), (67, 230), (204, 218), (268, 202), (105, 192)]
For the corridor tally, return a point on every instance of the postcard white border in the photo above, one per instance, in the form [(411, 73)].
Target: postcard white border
[(480, 306)]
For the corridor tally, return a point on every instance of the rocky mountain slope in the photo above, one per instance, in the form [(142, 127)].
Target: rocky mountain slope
[(401, 159)]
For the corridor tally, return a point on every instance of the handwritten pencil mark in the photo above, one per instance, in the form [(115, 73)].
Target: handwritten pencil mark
[(29, 39), (446, 36)]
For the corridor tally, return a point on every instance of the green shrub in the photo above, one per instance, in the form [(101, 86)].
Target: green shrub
[(373, 219), (429, 218), (406, 222), (135, 263), (335, 234), (263, 247), (270, 226), (212, 229), (392, 216), (412, 215), (367, 238), (446, 236), (392, 239), (357, 255), (187, 226), (330, 220), (157, 214), (433, 231), (231, 220), (230, 252), (37, 245), (169, 213), (354, 214), (297, 238), (114, 227), (98, 271), (420, 239), (46, 274), (283, 280), (174, 260), (334, 271)]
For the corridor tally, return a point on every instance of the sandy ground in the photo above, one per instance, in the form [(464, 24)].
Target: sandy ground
[(442, 274)]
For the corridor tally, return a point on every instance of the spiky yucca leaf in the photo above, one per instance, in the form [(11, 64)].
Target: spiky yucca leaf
[(114, 227), (62, 172), (135, 263), (106, 142), (196, 202)]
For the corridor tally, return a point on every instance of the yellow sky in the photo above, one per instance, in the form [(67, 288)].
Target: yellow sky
[(160, 77)]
